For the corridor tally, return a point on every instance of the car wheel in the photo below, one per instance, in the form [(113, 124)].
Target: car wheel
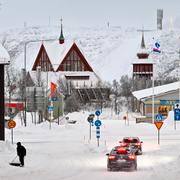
[(140, 152), (134, 167), (109, 169)]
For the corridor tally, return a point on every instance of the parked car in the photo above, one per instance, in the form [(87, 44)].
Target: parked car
[(121, 157), (133, 143)]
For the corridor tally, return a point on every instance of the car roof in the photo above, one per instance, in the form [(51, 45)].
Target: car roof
[(130, 137), (115, 150)]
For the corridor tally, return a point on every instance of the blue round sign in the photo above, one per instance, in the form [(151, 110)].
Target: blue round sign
[(98, 123), (97, 113)]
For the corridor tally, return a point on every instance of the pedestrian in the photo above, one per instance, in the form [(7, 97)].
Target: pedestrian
[(21, 152)]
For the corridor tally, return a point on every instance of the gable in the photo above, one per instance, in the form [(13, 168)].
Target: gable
[(42, 60), (74, 60)]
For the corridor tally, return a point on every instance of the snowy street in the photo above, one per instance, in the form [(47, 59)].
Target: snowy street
[(64, 151)]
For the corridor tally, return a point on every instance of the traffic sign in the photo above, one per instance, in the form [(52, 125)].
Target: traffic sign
[(11, 124), (54, 98), (97, 113), (50, 108), (177, 114), (158, 124), (97, 131), (158, 117), (177, 106), (97, 123)]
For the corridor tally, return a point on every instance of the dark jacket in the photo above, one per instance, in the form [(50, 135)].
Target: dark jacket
[(21, 151)]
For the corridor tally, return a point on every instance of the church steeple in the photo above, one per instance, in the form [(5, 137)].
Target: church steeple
[(143, 42), (143, 54), (61, 38)]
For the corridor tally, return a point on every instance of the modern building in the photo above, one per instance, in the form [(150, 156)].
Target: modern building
[(165, 98)]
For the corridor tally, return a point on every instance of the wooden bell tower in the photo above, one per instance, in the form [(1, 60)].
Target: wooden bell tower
[(142, 68)]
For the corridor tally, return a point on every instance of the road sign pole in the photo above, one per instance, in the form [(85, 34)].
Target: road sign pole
[(90, 131), (98, 142), (158, 136), (12, 135), (2, 127), (174, 124), (158, 125)]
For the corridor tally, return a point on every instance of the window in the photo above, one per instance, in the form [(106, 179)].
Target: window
[(73, 63)]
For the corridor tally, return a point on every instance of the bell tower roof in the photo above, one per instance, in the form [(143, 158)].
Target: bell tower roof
[(61, 37)]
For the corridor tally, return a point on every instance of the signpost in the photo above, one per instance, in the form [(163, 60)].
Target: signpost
[(97, 113), (176, 114), (90, 120), (98, 124), (158, 117), (53, 97), (158, 124), (11, 125)]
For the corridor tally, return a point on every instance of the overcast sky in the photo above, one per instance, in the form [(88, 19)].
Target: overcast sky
[(14, 13)]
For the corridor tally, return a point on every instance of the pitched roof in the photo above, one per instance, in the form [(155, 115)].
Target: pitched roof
[(145, 93), (56, 51)]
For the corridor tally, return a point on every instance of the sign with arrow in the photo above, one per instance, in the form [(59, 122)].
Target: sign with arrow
[(97, 113), (177, 112)]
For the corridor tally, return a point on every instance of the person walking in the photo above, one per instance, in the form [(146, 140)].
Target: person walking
[(21, 152)]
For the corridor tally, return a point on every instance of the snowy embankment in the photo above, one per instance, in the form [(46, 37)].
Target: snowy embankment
[(65, 151)]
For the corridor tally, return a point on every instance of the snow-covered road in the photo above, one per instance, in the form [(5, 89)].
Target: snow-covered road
[(64, 151)]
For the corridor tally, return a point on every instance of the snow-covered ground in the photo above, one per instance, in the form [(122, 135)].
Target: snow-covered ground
[(65, 152)]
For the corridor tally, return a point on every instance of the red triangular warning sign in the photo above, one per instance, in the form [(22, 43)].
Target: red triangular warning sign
[(158, 124)]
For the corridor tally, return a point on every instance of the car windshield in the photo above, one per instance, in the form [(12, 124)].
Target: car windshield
[(130, 140)]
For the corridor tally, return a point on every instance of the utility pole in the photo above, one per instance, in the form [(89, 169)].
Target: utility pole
[(2, 131)]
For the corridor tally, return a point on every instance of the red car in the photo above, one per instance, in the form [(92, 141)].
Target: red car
[(132, 142)]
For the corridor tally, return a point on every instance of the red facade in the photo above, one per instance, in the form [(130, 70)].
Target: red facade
[(143, 68), (43, 61), (74, 61)]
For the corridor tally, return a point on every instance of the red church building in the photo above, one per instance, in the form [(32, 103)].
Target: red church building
[(65, 58)]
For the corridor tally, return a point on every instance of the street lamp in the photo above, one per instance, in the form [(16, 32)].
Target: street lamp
[(25, 68), (153, 94)]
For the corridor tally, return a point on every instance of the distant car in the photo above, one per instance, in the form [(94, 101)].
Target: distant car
[(121, 157), (133, 143)]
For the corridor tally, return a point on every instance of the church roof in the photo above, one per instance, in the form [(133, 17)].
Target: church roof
[(57, 52)]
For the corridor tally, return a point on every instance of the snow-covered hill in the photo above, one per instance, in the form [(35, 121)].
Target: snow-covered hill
[(110, 51)]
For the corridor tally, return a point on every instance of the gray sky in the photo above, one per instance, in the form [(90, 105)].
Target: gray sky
[(14, 13)]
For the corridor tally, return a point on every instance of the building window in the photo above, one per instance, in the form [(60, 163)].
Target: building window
[(73, 63)]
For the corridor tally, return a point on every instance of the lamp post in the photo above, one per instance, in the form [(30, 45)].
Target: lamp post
[(25, 68), (153, 93), (177, 63)]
